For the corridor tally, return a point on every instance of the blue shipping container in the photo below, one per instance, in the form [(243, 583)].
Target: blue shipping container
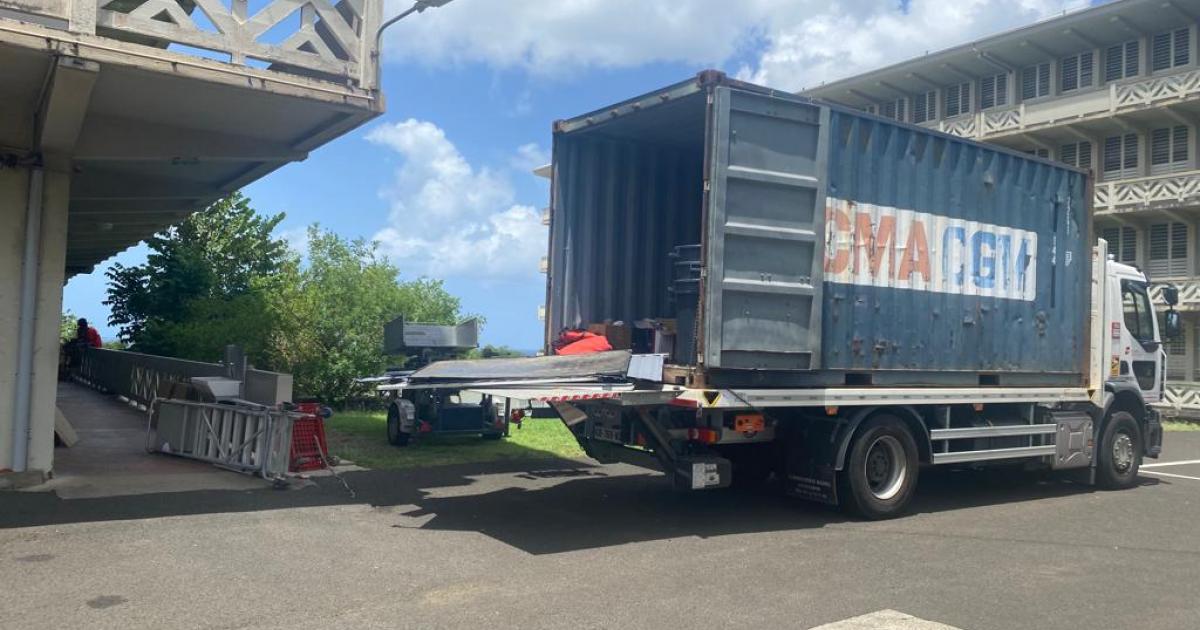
[(836, 247)]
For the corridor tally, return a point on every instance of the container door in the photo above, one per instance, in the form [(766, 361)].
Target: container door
[(765, 222)]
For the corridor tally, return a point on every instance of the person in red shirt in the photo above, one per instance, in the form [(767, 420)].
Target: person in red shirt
[(88, 335)]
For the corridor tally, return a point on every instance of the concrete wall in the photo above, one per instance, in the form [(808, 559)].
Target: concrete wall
[(13, 201)]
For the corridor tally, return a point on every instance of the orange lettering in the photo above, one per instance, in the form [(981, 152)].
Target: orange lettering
[(916, 252)]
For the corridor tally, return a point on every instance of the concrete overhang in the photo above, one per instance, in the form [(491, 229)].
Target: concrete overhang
[(1010, 51), (159, 134)]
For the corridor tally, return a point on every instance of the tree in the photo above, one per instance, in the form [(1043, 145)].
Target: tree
[(68, 326), (330, 314), (495, 352), (203, 285)]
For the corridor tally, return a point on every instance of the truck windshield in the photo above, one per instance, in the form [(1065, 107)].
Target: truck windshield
[(1139, 317)]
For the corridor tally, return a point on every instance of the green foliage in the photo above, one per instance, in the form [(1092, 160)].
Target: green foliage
[(331, 313), (221, 278), (202, 285), (494, 352), (67, 327)]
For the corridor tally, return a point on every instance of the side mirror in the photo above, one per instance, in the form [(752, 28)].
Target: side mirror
[(1170, 295), (1172, 326)]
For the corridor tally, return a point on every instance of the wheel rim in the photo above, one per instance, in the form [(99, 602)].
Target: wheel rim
[(886, 467), (1122, 452)]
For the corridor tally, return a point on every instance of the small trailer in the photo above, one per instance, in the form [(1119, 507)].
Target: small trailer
[(861, 298), (434, 409)]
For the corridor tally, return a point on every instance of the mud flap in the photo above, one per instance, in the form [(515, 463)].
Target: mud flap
[(811, 463)]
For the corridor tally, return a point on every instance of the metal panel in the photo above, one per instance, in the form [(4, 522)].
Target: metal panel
[(762, 293), (962, 457), (1074, 440), (925, 265)]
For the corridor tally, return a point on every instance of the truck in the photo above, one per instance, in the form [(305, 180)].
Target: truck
[(835, 300)]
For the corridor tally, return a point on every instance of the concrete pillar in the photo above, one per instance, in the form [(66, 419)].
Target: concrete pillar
[(14, 186)]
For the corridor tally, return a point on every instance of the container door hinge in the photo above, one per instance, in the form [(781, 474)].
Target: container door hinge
[(707, 186)]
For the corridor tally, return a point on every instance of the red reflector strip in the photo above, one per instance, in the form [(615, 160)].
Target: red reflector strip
[(588, 396), (707, 436), (684, 402)]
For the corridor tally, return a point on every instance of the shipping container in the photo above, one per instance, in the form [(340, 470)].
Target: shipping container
[(794, 242)]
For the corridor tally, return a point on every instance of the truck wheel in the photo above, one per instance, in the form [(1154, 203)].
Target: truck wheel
[(395, 436), (881, 469), (1120, 452)]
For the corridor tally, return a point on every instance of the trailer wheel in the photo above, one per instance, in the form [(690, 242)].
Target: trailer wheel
[(1120, 452), (395, 434), (881, 469)]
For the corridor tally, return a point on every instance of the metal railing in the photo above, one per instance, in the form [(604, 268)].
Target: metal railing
[(326, 39), (256, 441), (140, 378), (134, 376)]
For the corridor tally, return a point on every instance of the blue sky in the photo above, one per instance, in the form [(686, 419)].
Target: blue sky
[(442, 179)]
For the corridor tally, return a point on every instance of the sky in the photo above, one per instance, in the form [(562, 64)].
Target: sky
[(442, 180)]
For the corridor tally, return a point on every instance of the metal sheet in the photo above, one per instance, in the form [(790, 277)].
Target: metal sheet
[(613, 363)]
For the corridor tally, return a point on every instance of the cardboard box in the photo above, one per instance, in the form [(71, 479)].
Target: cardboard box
[(619, 336)]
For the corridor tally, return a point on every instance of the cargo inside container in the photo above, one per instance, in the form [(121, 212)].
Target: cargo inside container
[(629, 191)]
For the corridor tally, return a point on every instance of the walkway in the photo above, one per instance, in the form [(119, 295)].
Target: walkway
[(110, 458)]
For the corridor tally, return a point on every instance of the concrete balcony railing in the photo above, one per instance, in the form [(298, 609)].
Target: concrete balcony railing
[(332, 40), (1115, 98), (1145, 193), (1180, 399), (1189, 293)]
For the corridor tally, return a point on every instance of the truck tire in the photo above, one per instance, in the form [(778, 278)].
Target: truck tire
[(881, 469), (1120, 451), (395, 434)]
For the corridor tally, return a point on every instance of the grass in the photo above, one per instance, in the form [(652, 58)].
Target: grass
[(1175, 425), (362, 439)]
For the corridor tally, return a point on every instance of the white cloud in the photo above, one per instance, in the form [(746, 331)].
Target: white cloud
[(530, 156), (788, 43), (296, 237), (450, 218)]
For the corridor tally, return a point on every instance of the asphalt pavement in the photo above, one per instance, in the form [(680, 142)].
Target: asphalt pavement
[(563, 544)]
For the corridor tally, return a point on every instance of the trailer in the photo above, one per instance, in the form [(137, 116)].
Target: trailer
[(416, 410), (846, 299)]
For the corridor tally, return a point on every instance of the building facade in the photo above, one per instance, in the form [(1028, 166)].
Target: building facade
[(120, 118), (1114, 89)]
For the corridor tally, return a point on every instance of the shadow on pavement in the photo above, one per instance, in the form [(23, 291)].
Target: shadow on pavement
[(548, 506)]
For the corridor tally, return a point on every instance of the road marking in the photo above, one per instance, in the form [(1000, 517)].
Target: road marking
[(885, 620), (1173, 476), (1183, 463)]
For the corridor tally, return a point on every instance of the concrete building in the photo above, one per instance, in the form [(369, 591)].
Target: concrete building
[(1113, 88), (121, 117)]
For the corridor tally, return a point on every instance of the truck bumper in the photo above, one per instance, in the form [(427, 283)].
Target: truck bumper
[(1154, 433)]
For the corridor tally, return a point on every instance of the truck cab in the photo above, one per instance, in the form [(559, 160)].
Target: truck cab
[(1137, 350)]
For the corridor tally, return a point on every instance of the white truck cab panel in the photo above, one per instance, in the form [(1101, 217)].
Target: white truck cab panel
[(1137, 354)]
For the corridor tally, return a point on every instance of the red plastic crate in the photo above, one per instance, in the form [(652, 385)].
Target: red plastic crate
[(308, 439)]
